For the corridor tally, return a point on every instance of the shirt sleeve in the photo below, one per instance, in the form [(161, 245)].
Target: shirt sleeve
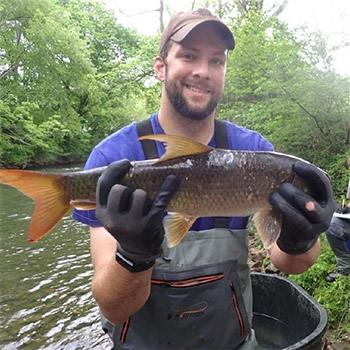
[(265, 145)]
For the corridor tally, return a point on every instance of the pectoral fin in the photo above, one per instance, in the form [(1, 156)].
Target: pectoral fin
[(176, 226), (268, 224)]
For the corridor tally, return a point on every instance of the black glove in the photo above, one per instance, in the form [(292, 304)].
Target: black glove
[(131, 217), (304, 216)]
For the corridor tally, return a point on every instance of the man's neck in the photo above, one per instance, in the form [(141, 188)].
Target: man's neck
[(175, 124)]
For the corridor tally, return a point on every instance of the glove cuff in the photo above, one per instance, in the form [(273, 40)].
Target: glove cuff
[(134, 263), (297, 247)]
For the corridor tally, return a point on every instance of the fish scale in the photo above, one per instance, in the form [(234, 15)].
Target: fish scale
[(217, 183)]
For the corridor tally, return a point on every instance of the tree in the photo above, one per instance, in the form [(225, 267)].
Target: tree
[(286, 89), (45, 63), (272, 86), (69, 66)]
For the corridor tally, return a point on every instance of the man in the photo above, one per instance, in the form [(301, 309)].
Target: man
[(338, 236), (198, 294)]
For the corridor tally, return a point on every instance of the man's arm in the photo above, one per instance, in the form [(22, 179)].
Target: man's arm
[(118, 292), (294, 264), (125, 247)]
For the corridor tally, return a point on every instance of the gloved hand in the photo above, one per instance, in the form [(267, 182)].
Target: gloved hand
[(304, 216), (131, 217)]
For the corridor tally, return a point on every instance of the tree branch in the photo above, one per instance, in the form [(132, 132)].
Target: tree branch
[(136, 14), (2, 23), (281, 8), (244, 5), (161, 19), (193, 5), (12, 67)]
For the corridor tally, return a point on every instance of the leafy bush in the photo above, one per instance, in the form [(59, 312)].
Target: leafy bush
[(337, 170)]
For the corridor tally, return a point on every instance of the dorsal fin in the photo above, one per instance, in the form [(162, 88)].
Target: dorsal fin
[(177, 146)]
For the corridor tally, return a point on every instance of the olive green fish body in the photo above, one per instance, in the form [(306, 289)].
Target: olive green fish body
[(81, 185), (217, 183)]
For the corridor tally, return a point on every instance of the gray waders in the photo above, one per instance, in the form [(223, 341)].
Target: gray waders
[(338, 235), (201, 295)]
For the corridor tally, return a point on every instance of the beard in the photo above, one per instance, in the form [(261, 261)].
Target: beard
[(181, 105)]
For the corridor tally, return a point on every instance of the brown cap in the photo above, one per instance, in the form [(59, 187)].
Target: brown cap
[(182, 23)]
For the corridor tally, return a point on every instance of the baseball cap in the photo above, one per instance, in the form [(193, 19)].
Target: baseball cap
[(182, 23)]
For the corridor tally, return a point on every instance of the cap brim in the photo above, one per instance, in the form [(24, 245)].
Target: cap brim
[(182, 33)]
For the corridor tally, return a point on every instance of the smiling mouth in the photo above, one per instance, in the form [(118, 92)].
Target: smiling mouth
[(197, 89)]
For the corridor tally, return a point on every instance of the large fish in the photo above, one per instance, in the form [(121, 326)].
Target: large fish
[(214, 182)]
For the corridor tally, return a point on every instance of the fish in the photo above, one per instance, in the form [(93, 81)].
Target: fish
[(213, 182)]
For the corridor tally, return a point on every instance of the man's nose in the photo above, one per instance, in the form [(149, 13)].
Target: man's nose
[(201, 69)]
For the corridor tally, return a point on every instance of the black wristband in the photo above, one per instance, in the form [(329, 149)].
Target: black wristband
[(130, 265)]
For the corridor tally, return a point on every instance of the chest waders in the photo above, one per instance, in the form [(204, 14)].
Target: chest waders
[(201, 296)]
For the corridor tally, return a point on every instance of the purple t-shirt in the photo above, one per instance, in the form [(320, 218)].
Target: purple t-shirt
[(123, 144)]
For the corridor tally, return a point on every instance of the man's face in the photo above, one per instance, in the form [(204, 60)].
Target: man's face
[(195, 73)]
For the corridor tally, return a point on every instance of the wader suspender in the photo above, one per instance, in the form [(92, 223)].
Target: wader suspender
[(149, 146), (150, 149)]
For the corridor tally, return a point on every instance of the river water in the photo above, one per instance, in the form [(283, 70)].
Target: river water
[(45, 297)]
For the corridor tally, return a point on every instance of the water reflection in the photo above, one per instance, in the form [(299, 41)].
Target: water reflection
[(45, 297)]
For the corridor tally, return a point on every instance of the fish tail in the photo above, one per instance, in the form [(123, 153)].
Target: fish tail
[(49, 194)]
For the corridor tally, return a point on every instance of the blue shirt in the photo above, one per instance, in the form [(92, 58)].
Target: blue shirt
[(123, 144)]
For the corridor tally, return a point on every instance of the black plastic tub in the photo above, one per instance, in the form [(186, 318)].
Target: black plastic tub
[(285, 316)]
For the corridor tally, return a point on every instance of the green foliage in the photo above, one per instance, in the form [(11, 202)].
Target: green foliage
[(18, 136), (335, 297), (275, 87), (22, 140), (69, 75), (106, 40), (124, 93), (340, 174), (47, 62)]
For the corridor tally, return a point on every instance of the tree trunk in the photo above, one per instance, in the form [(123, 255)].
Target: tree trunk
[(161, 19)]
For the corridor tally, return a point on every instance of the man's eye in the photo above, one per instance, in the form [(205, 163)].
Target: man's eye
[(217, 61), (187, 56)]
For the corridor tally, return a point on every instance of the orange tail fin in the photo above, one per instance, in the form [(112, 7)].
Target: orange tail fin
[(48, 192)]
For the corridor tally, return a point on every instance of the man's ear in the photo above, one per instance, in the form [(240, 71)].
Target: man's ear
[(159, 68)]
